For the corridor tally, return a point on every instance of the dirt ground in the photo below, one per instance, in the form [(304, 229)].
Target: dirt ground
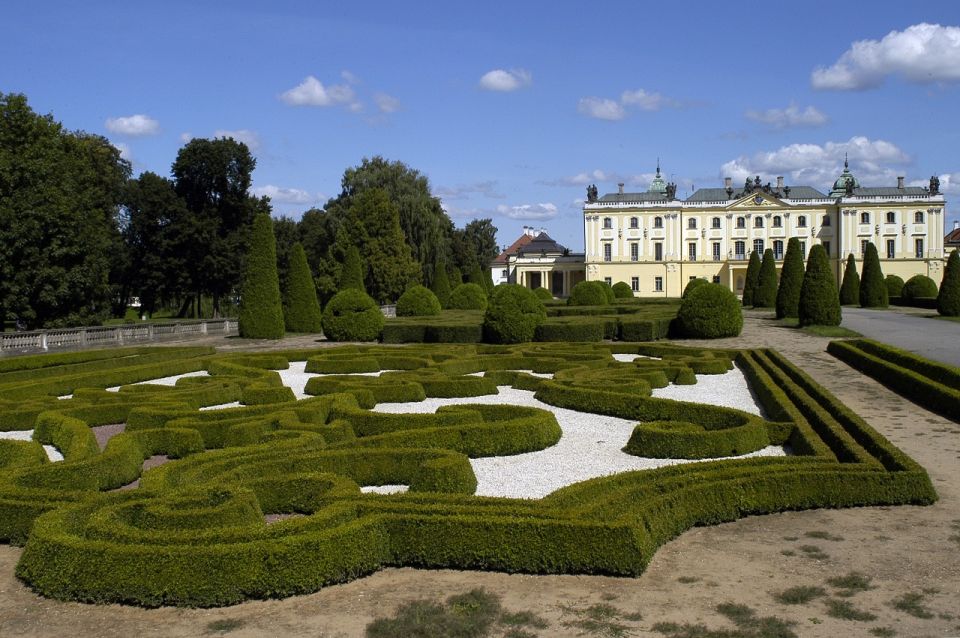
[(905, 550)]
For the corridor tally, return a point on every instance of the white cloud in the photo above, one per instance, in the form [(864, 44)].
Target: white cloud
[(133, 125), (124, 151), (386, 103), (248, 137), (921, 53), (873, 162), (504, 80), (528, 211), (647, 101), (311, 92), (286, 195), (486, 188), (186, 136), (949, 183), (588, 177), (791, 117), (349, 77), (463, 213), (601, 108)]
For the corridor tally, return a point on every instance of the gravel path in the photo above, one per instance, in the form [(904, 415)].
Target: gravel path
[(27, 435)]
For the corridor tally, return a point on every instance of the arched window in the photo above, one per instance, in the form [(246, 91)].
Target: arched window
[(802, 221), (607, 222), (758, 222), (741, 222), (891, 217), (918, 217), (692, 223), (634, 222), (716, 222), (826, 220), (864, 218), (777, 221), (658, 222)]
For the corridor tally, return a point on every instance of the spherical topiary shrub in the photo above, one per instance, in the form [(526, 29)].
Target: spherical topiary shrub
[(468, 297), (608, 291), (622, 290), (352, 316), (418, 301), (894, 285), (919, 286), (513, 315), (948, 300), (543, 293), (710, 312), (588, 293), (692, 285)]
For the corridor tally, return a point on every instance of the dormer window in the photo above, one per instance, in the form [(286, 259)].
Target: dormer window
[(658, 222), (864, 218), (634, 222), (758, 222), (607, 222), (777, 221), (692, 223), (741, 222)]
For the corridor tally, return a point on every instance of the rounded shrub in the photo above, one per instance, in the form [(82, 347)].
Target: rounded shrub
[(352, 315), (919, 286), (948, 299), (710, 312), (588, 293), (752, 279), (791, 278), (468, 297), (622, 290), (873, 292), (608, 291), (765, 294), (261, 311), (692, 285), (819, 300), (513, 315), (543, 294), (894, 285), (418, 301), (850, 288)]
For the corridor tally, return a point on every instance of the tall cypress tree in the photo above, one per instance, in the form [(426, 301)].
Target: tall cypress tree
[(441, 284), (261, 312), (948, 299), (765, 294), (873, 290), (352, 274), (752, 279), (850, 288), (819, 300), (791, 279), (301, 311)]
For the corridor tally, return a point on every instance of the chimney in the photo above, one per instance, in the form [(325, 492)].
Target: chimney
[(728, 182), (780, 183), (620, 188), (956, 225), (900, 183)]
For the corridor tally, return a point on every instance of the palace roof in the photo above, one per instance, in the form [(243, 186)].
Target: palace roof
[(543, 243), (513, 249), (720, 194)]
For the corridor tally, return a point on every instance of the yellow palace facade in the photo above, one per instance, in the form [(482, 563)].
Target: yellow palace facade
[(656, 243)]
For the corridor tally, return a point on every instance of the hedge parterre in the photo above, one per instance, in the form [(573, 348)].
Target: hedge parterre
[(194, 532)]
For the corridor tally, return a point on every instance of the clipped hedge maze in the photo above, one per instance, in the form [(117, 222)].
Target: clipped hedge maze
[(194, 532)]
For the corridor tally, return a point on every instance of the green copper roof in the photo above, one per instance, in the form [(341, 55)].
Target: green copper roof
[(658, 185), (840, 186)]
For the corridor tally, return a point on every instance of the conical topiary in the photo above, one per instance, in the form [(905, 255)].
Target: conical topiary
[(765, 294), (873, 290), (819, 300), (301, 310), (752, 278), (456, 278), (352, 274), (948, 299), (850, 288), (441, 284), (261, 311), (791, 279)]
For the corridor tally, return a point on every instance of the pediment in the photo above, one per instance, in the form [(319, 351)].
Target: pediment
[(757, 199)]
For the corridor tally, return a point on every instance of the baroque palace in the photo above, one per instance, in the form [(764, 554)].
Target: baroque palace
[(657, 243)]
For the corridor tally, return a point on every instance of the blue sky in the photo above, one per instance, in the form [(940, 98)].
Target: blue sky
[(510, 109)]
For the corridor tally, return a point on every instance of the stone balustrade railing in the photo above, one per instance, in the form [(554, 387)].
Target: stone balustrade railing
[(125, 334)]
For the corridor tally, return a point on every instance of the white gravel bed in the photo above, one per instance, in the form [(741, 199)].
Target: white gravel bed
[(627, 358), (296, 379), (729, 390), (591, 445), (222, 406), (384, 489), (65, 396), (27, 435), (542, 375)]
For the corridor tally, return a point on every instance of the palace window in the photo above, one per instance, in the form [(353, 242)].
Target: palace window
[(740, 250), (758, 222), (658, 251), (504, 275), (802, 221), (692, 223), (891, 248), (607, 222), (658, 222), (716, 251), (864, 218), (803, 248), (918, 248), (716, 279), (777, 221), (863, 246), (918, 217), (741, 222), (658, 284), (716, 222), (608, 281), (692, 251), (758, 246), (635, 284), (778, 249), (607, 252), (826, 220), (634, 251), (634, 222), (891, 217)]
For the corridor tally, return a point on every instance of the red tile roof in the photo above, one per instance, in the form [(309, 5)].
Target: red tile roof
[(513, 249), (953, 237)]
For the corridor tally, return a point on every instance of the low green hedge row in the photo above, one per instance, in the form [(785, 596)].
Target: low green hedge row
[(685, 440), (931, 385)]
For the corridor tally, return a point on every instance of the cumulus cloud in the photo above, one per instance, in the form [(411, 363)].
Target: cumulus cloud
[(286, 195), (528, 211), (457, 212), (133, 125), (312, 92), (791, 117), (386, 103), (874, 162), (603, 108), (505, 80), (647, 101), (486, 188), (248, 137), (949, 183), (922, 53), (186, 136)]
